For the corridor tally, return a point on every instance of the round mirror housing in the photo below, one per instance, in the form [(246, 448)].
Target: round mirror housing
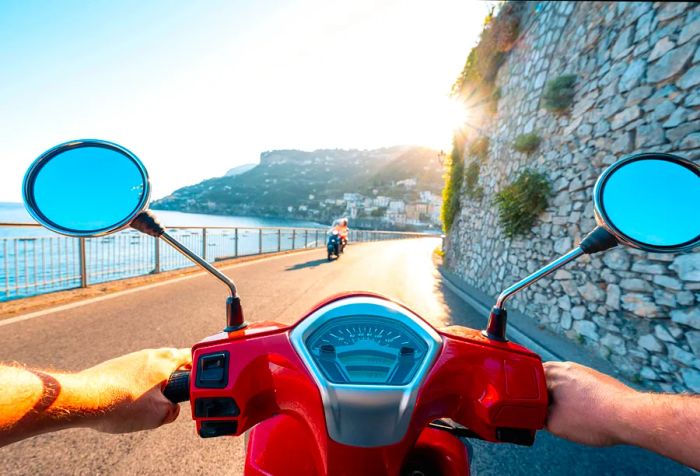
[(651, 202), (86, 188)]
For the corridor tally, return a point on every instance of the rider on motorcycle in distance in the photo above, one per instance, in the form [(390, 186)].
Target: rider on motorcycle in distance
[(341, 226)]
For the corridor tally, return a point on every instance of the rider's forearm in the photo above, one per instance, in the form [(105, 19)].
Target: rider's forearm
[(666, 424), (34, 402)]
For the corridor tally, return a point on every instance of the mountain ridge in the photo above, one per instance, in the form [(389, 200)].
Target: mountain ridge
[(311, 184)]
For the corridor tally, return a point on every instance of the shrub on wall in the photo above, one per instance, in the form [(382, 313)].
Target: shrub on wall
[(559, 93), (479, 148), (527, 143), (493, 101), (520, 202), (453, 183), (497, 38), (471, 181)]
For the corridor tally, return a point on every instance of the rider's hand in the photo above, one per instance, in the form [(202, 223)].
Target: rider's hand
[(131, 386), (585, 405)]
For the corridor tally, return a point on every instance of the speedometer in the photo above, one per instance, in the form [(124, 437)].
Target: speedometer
[(367, 350)]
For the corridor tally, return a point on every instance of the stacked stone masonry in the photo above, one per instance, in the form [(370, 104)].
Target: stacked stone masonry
[(638, 90)]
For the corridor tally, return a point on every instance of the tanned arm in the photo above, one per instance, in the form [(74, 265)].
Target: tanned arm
[(592, 408), (117, 396)]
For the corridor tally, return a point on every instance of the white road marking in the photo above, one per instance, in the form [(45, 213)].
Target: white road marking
[(73, 305)]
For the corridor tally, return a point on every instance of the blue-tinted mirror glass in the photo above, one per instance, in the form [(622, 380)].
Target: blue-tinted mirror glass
[(654, 202), (87, 190)]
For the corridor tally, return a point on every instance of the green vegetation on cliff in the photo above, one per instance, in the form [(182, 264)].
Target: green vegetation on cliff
[(520, 202), (454, 177)]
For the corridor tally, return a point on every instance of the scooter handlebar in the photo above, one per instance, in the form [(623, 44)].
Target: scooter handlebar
[(177, 388)]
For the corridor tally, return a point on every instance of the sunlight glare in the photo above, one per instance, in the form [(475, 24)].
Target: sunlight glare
[(451, 114)]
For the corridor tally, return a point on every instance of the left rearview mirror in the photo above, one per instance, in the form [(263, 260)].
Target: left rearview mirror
[(86, 188)]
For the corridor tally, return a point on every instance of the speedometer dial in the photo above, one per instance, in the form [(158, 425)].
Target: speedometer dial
[(367, 350)]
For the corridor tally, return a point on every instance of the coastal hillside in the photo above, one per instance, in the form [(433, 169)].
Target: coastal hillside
[(399, 186)]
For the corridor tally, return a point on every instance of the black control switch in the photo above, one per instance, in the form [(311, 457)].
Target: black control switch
[(212, 370), (215, 407), (210, 429)]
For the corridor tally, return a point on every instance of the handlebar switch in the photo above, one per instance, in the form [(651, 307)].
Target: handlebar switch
[(212, 370), (215, 407), (211, 429)]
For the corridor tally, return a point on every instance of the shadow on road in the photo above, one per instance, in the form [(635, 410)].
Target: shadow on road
[(308, 264)]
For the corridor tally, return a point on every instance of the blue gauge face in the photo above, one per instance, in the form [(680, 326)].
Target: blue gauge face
[(367, 350)]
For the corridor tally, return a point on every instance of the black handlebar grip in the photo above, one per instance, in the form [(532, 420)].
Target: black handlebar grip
[(177, 389)]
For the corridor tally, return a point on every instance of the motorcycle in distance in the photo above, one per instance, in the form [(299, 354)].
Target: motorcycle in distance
[(333, 245), (361, 384)]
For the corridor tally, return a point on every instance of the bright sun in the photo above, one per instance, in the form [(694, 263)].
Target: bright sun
[(450, 115)]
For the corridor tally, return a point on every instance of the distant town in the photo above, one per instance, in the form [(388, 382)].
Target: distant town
[(394, 188), (397, 213)]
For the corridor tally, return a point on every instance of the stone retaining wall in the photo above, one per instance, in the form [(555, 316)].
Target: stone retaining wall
[(638, 90)]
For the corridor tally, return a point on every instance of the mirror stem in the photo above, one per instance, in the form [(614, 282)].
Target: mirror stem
[(234, 311), (496, 328), (147, 223), (537, 275), (197, 260)]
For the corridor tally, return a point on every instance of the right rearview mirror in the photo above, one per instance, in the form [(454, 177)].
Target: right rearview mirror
[(651, 202), (647, 201)]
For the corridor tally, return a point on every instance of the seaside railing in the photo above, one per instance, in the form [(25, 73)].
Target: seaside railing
[(47, 262)]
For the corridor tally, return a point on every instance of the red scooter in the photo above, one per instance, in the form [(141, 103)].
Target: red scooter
[(361, 384)]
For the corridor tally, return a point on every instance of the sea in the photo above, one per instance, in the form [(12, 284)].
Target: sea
[(16, 213), (34, 260)]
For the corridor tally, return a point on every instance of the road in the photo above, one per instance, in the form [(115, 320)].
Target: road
[(278, 288)]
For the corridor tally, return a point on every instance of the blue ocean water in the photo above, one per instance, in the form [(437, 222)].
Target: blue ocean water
[(16, 213), (34, 260)]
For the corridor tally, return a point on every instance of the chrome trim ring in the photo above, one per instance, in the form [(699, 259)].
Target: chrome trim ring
[(366, 415), (603, 221), (37, 165)]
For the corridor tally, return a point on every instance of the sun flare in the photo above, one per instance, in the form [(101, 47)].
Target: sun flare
[(451, 115)]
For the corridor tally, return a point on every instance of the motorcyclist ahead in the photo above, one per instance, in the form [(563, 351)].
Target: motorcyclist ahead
[(341, 226)]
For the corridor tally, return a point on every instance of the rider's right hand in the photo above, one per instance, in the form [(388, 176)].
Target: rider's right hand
[(585, 405)]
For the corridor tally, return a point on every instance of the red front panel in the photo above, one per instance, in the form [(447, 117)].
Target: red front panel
[(482, 385)]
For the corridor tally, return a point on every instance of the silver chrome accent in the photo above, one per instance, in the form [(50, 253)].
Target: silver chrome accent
[(601, 217), (537, 275), (366, 415), (199, 261)]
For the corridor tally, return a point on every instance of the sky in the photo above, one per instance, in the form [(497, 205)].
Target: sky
[(197, 88)]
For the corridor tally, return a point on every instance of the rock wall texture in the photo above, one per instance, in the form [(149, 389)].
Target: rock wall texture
[(638, 90)]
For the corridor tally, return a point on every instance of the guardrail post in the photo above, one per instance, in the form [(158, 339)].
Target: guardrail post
[(294, 239), (316, 238), (204, 244), (156, 256), (279, 239), (83, 263), (260, 241), (235, 242)]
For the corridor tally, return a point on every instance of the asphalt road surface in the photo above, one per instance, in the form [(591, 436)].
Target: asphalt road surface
[(279, 288)]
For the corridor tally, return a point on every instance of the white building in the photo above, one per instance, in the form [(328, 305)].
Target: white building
[(381, 201), (397, 206), (352, 197), (426, 196)]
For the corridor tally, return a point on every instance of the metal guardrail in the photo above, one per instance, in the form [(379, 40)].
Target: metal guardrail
[(47, 262)]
